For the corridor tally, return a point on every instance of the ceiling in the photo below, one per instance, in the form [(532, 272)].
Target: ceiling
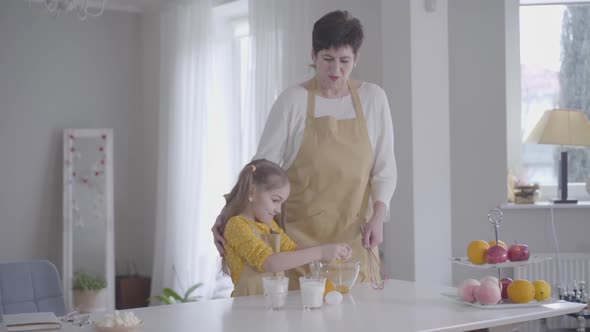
[(551, 2), (145, 5), (136, 5), (130, 5)]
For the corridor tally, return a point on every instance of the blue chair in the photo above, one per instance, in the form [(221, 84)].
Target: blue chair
[(30, 286)]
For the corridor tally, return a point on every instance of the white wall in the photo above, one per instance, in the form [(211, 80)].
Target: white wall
[(478, 119), (431, 142), (513, 96), (150, 47), (58, 73), (398, 246), (415, 77)]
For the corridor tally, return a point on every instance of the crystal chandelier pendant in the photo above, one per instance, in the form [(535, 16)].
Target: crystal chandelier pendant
[(82, 7)]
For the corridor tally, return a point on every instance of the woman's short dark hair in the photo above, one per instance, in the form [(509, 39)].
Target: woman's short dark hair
[(337, 29)]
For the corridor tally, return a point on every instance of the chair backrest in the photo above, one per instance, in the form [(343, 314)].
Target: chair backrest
[(30, 286)]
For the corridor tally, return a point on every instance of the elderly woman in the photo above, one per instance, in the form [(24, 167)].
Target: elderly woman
[(334, 136)]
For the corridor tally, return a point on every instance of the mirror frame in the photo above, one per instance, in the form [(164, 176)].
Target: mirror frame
[(68, 214)]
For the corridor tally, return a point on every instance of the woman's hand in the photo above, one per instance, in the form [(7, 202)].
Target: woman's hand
[(336, 251), (217, 230), (373, 231)]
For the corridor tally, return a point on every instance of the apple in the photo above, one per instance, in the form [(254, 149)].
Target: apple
[(488, 293), (467, 288), (496, 254), (518, 252), (505, 283), (500, 243), (489, 278)]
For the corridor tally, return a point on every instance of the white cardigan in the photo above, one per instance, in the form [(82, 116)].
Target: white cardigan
[(283, 132)]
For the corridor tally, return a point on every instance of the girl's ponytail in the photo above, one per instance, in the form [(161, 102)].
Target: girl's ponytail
[(238, 197)]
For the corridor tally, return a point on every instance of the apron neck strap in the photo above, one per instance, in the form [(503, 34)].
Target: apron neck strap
[(358, 109), (311, 99), (311, 93)]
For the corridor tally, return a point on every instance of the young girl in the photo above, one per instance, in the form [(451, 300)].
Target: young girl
[(250, 252)]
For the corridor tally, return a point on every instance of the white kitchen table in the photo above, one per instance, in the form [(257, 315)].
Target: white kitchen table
[(402, 306)]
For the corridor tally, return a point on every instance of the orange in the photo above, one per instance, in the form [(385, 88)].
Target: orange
[(329, 287), (542, 290), (476, 251), (521, 291), (500, 243)]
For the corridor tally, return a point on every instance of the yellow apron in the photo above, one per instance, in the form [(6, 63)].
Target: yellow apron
[(250, 282), (330, 183)]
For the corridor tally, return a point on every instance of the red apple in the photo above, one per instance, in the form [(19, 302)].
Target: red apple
[(518, 252), (496, 254), (505, 283)]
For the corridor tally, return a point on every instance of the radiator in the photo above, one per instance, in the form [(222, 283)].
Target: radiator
[(569, 267)]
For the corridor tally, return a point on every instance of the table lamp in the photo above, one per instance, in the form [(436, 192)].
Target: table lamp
[(562, 127)]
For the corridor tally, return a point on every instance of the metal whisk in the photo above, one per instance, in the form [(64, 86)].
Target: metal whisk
[(377, 272)]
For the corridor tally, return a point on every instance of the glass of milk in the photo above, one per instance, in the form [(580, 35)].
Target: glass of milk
[(275, 291), (312, 291)]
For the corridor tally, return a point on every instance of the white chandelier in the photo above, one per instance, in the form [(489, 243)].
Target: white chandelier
[(83, 8)]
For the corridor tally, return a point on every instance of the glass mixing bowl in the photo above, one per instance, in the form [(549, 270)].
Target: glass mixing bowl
[(342, 274)]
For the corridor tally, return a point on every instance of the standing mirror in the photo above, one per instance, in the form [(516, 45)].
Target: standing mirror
[(88, 239)]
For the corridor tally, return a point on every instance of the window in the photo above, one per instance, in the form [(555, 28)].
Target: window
[(242, 51), (243, 41), (555, 73), (234, 59)]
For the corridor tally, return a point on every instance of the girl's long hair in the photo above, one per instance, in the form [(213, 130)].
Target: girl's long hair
[(260, 174)]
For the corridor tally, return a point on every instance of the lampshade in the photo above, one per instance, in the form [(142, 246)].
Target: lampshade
[(561, 127)]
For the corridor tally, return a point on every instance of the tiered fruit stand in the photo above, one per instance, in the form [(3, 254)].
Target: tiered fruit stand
[(495, 217)]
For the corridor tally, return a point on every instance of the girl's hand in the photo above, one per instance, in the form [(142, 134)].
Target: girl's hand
[(217, 230), (336, 251)]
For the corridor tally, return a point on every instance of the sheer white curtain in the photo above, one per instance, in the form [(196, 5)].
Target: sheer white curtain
[(191, 171), (280, 56), (205, 133)]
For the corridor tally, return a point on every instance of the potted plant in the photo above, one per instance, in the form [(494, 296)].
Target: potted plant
[(86, 291), (169, 296)]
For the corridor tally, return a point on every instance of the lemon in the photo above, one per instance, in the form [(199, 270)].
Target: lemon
[(329, 287), (521, 291), (476, 251), (500, 243), (542, 290)]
